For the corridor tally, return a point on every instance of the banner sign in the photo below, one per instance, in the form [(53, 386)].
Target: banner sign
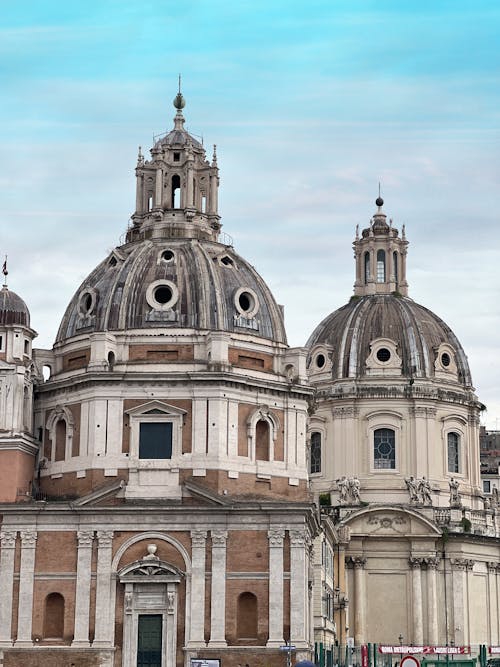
[(427, 650), (494, 649)]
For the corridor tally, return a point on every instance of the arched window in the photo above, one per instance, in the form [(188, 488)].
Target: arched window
[(396, 268), (53, 618), (453, 452), (381, 266), (262, 440), (315, 462), (111, 360), (384, 449), (176, 191), (367, 267), (246, 616), (60, 449)]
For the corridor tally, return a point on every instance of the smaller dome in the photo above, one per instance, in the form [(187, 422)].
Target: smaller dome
[(13, 310)]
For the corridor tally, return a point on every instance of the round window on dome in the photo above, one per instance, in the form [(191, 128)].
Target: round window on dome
[(162, 295), (167, 255), (246, 302), (445, 359), (320, 360), (383, 354)]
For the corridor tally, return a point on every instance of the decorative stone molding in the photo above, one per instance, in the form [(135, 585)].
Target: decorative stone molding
[(298, 538), (28, 538), (462, 564), (198, 538), (219, 538), (8, 539), (432, 562), (170, 602), (275, 537), (85, 538), (493, 567), (345, 412), (344, 535), (358, 562), (416, 562), (105, 538), (421, 411), (386, 521)]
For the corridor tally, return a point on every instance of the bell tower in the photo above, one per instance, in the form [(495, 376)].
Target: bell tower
[(177, 190), (380, 255), (18, 448)]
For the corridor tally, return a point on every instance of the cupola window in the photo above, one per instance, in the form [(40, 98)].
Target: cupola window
[(177, 157), (383, 354), (396, 268), (384, 449), (246, 302), (315, 461), (176, 191), (367, 267), (453, 452), (445, 359), (155, 440), (167, 255), (381, 266), (162, 295)]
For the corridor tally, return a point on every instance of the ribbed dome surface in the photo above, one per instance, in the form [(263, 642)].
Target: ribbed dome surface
[(178, 137), (13, 310), (416, 330), (204, 278)]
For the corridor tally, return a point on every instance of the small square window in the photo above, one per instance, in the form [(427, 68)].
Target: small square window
[(177, 157), (155, 440)]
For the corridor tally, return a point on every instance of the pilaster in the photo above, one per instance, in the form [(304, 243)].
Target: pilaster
[(82, 599), (8, 547), (218, 599), (104, 618), (299, 598), (418, 616), (26, 579), (275, 537), (432, 604), (198, 560)]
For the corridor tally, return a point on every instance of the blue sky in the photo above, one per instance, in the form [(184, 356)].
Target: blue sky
[(310, 105)]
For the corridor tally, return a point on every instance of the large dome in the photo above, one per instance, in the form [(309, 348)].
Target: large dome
[(420, 337), (13, 310), (174, 283)]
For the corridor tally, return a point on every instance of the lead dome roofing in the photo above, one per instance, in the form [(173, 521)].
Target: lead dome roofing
[(114, 297), (13, 310), (416, 330)]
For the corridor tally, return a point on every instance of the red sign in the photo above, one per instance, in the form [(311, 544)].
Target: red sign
[(364, 655), (410, 661), (427, 650)]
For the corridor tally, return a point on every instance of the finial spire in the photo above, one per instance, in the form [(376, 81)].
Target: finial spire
[(179, 84), (379, 201), (5, 272), (179, 101), (214, 158)]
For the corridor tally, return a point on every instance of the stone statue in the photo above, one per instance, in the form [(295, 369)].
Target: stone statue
[(424, 490), (354, 486), (151, 555), (412, 486), (494, 497), (455, 500), (343, 487)]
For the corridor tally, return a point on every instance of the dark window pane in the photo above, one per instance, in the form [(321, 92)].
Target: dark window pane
[(453, 452), (155, 441), (315, 452), (384, 449)]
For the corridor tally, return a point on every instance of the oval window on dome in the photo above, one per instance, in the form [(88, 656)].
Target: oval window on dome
[(383, 354), (162, 295), (86, 303), (320, 360), (445, 359), (246, 302)]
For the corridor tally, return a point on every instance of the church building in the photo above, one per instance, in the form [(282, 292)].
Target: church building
[(179, 487)]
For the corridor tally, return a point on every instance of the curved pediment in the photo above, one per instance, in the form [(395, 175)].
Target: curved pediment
[(390, 521), (150, 568)]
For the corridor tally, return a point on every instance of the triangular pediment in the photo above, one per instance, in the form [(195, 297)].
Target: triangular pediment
[(155, 408)]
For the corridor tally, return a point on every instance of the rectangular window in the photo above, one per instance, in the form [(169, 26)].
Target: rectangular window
[(384, 449), (155, 440), (315, 466), (453, 452), (486, 486)]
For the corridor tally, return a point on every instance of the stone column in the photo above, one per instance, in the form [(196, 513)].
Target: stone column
[(158, 192), (298, 589), (198, 559), (26, 579), (218, 598), (213, 204), (82, 598), (359, 599), (432, 605), (8, 547), (492, 604), (275, 537), (418, 616), (104, 615), (139, 197)]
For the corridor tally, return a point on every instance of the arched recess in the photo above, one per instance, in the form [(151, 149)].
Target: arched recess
[(53, 616), (262, 438), (247, 616), (60, 425)]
